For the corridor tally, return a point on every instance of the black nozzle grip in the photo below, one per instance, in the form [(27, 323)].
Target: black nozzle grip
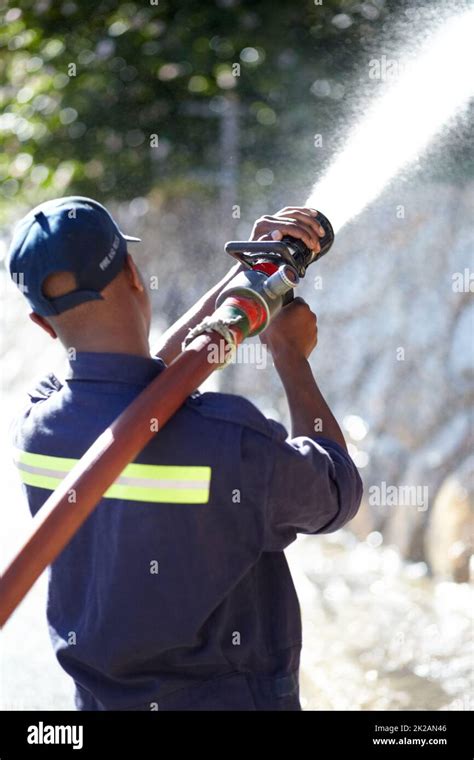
[(328, 239)]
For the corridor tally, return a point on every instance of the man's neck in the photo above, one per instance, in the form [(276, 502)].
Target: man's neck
[(121, 344)]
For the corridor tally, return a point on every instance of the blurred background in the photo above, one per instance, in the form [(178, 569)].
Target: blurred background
[(190, 120)]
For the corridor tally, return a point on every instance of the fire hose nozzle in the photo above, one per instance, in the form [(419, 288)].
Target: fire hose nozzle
[(289, 250), (281, 282)]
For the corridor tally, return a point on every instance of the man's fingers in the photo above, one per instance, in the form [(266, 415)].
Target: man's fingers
[(290, 211), (298, 301), (306, 218), (300, 229), (274, 235), (297, 229), (296, 221)]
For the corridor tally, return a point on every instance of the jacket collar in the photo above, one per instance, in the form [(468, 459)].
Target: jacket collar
[(114, 368)]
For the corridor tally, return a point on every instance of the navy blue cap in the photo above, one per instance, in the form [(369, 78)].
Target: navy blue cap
[(71, 234)]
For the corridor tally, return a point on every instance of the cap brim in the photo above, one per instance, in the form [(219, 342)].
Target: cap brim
[(132, 239)]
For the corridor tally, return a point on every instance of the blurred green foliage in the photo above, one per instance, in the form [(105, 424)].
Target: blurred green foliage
[(113, 99), (86, 85)]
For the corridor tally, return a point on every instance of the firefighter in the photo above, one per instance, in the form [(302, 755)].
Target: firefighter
[(175, 594)]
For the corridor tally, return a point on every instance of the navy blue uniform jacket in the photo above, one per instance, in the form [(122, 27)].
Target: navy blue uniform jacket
[(175, 593)]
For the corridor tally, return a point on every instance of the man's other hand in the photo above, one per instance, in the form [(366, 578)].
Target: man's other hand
[(293, 333)]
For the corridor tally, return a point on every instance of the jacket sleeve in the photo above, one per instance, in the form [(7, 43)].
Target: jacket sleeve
[(314, 487)]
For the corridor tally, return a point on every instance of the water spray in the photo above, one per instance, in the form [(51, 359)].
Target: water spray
[(399, 126), (394, 132)]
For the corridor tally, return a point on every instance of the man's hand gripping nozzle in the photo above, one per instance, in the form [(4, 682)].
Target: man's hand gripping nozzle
[(252, 298)]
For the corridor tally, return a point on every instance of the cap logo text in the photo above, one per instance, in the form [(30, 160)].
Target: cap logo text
[(107, 260)]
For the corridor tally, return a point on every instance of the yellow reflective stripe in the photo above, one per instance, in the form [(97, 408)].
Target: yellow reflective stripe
[(40, 481), (137, 482), (43, 461), (170, 495)]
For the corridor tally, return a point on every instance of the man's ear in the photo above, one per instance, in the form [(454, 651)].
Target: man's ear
[(133, 274), (43, 323)]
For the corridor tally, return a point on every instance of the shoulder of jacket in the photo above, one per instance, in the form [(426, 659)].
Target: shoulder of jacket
[(44, 388), (236, 410)]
